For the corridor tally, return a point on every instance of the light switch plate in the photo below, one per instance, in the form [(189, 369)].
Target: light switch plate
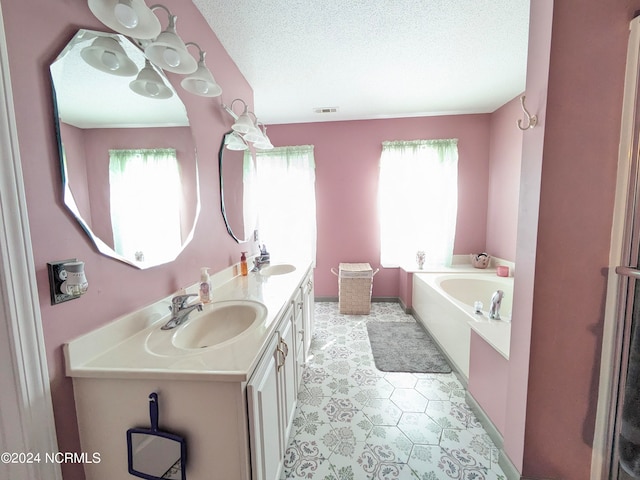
[(57, 276)]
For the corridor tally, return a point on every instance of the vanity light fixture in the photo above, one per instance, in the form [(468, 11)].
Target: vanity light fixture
[(129, 17), (264, 143), (250, 130), (235, 142), (254, 134), (243, 123), (107, 55), (168, 51), (165, 49), (201, 82), (67, 280), (149, 84)]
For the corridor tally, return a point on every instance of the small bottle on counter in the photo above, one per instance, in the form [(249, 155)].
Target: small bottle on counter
[(243, 264), (205, 285)]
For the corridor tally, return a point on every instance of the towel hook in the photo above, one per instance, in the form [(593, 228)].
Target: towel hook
[(532, 120)]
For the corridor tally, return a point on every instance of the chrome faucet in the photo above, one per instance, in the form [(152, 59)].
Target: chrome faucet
[(180, 311), (496, 301), (262, 259)]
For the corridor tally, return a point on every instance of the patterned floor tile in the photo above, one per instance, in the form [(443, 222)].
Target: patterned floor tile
[(409, 400), (420, 428), (392, 440), (382, 411), (401, 379), (355, 422)]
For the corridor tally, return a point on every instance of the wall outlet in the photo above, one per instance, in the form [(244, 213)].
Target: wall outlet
[(57, 276)]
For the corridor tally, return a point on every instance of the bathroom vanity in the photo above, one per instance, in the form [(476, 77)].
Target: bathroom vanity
[(227, 383)]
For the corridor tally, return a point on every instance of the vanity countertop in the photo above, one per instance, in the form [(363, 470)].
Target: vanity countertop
[(119, 348)]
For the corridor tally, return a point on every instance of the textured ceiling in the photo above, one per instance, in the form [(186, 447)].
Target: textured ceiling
[(374, 58)]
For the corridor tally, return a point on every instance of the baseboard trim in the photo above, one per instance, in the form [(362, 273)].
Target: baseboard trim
[(504, 461), (325, 299), (461, 377), (486, 422), (407, 310), (373, 299)]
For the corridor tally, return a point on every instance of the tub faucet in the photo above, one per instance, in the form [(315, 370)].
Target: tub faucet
[(496, 301), (180, 311)]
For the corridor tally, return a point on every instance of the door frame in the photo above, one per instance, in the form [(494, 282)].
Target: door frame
[(601, 460), (26, 413)]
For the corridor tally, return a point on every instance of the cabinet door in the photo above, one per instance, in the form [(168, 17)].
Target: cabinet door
[(265, 415), (308, 310), (300, 337), (287, 374)]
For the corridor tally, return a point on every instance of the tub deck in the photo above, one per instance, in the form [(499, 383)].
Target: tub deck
[(447, 315)]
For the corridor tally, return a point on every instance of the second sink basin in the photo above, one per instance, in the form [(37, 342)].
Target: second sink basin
[(277, 269), (219, 323)]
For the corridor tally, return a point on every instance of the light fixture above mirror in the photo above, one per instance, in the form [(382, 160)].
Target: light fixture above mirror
[(201, 82), (246, 130), (164, 49), (107, 55), (168, 51), (128, 17), (149, 83)]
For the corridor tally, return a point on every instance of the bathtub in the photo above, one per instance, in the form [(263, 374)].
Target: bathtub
[(443, 303)]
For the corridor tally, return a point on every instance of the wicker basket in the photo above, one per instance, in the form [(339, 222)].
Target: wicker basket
[(355, 282)]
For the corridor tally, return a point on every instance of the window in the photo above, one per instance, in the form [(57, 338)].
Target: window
[(285, 179), (418, 201), (145, 192)]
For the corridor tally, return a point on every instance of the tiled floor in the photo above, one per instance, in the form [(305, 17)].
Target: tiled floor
[(355, 422)]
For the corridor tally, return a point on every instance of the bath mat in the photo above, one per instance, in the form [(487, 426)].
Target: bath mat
[(405, 347)]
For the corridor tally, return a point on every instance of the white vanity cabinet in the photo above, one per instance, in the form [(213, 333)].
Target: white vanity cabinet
[(308, 306), (287, 373), (264, 396), (271, 397), (300, 337), (233, 403)]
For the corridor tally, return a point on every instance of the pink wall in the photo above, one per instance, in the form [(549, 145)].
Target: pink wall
[(347, 156), (78, 182), (488, 380), (504, 181), (568, 178), (575, 83), (115, 288)]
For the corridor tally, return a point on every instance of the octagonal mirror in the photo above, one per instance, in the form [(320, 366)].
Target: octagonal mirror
[(128, 158)]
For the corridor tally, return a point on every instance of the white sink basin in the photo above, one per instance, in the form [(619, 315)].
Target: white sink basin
[(277, 269), (220, 323)]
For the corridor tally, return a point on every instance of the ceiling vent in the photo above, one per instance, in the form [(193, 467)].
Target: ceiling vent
[(326, 109)]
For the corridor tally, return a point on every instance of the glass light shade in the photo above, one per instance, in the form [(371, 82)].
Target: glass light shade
[(169, 52), (107, 55), (264, 144), (76, 282), (234, 142), (129, 17), (201, 82), (253, 135), (149, 84), (126, 14), (243, 123)]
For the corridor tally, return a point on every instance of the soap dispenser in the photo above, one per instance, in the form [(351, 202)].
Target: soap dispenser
[(205, 285), (243, 264)]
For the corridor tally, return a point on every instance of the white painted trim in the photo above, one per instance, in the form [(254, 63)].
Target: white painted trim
[(26, 413), (600, 464)]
